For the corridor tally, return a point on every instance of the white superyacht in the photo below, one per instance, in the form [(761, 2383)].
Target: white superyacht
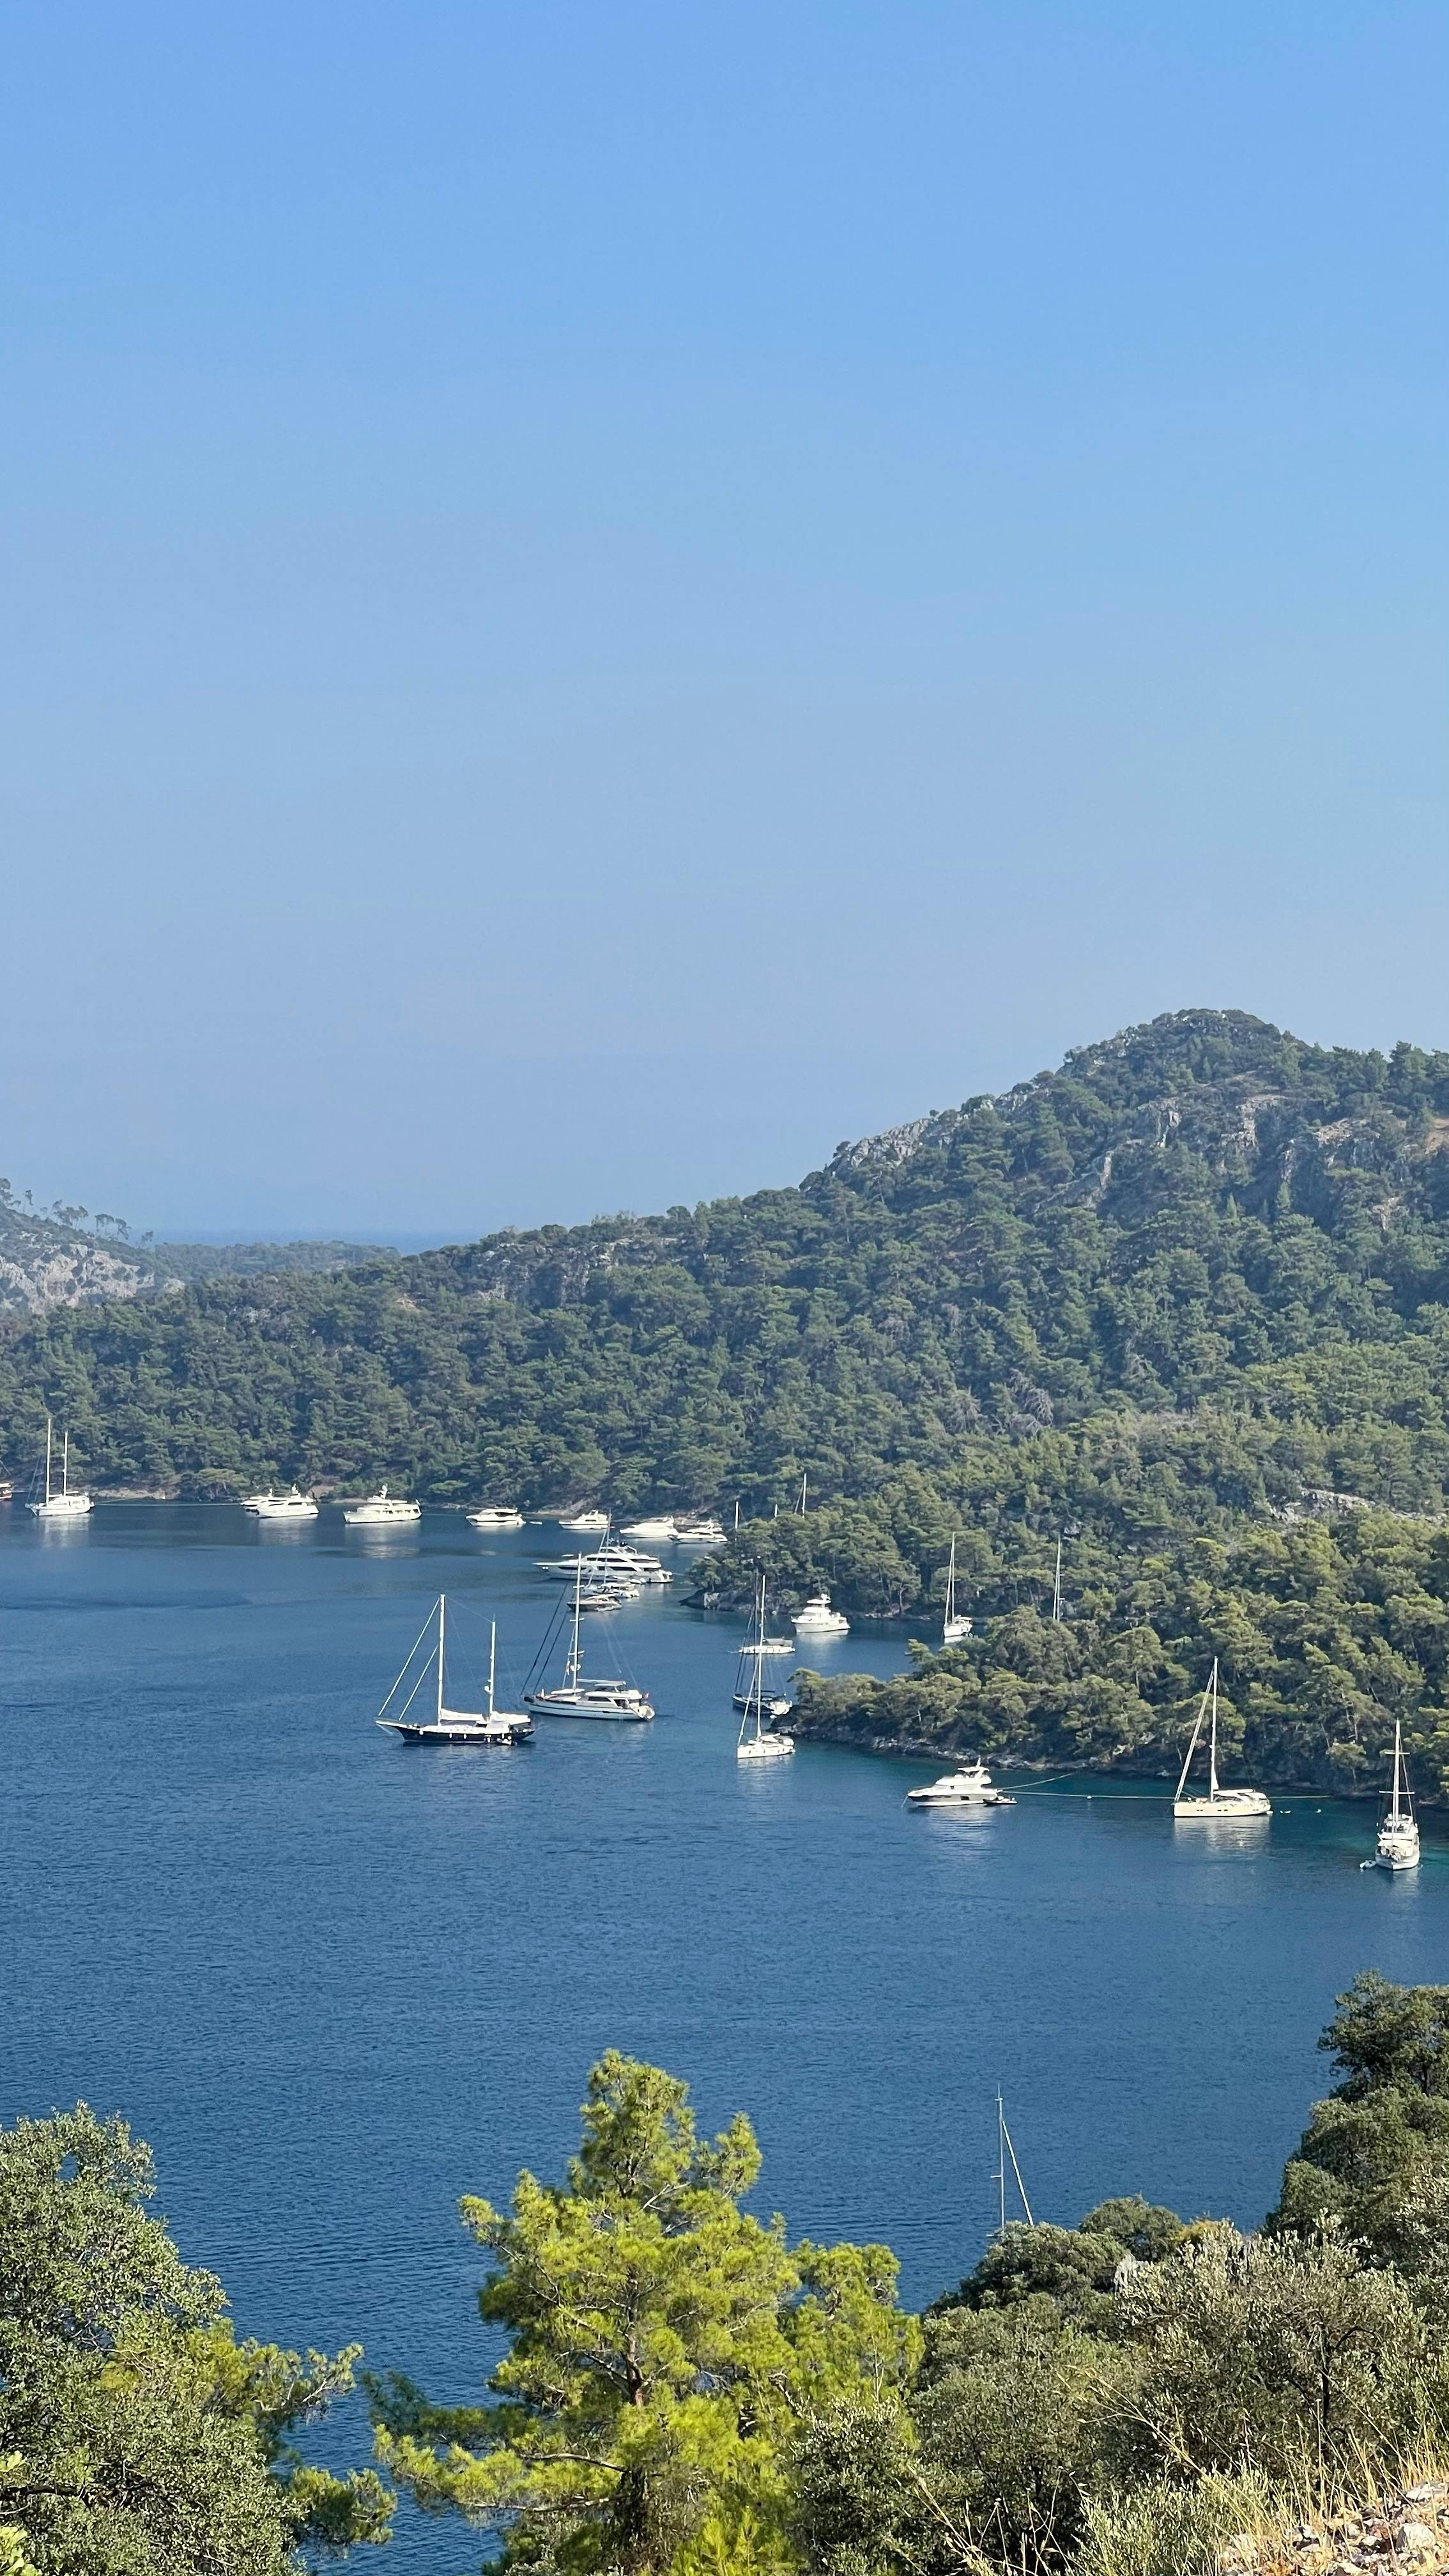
[(382, 1510)]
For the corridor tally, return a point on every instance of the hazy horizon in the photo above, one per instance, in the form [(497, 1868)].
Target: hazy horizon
[(601, 600)]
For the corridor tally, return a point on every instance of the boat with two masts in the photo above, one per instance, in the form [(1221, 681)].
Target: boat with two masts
[(1215, 1802), (62, 1505), (492, 1727), (1397, 1844), (577, 1694)]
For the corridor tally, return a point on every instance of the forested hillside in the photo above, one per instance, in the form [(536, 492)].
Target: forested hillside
[(64, 1256), (1201, 1268)]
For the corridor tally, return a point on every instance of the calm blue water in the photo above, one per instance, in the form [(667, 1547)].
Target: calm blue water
[(336, 1983)]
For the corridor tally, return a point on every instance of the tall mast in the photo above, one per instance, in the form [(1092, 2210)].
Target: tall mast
[(1192, 1747), (1398, 1758), (1057, 1586), (1213, 1738), (442, 1615), (951, 1584), (1004, 2148), (571, 1668), (757, 1687), (804, 1489), (737, 1511), (47, 1457), (492, 1659)]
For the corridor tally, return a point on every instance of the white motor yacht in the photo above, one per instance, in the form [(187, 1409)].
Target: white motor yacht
[(662, 1525), (769, 1646), (382, 1510), (283, 1507), (64, 1505), (609, 1563), (705, 1531), (968, 1787), (954, 1628), (585, 1521), (1201, 1806), (1397, 1846), (495, 1516), (576, 1695), (491, 1727), (817, 1619)]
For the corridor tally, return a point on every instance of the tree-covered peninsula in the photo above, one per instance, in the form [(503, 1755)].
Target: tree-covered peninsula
[(1182, 1304)]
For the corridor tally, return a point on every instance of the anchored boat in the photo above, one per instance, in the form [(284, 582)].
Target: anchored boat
[(491, 1726), (1198, 1806)]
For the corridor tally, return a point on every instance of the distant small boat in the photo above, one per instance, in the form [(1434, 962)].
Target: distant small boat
[(662, 1526), (1397, 1846), (758, 1742), (495, 1516), (283, 1507), (1188, 1808), (64, 1506), (382, 1510), (607, 1563), (817, 1619), (585, 1521), (705, 1531), (769, 1646), (969, 1787), (492, 1727), (953, 1627)]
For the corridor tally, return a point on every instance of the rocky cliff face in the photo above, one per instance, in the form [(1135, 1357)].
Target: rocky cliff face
[(48, 1261)]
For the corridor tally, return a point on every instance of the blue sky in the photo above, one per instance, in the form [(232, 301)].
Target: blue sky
[(599, 597)]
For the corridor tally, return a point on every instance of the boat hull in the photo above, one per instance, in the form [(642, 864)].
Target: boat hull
[(1208, 1811), (765, 1748), (491, 1739)]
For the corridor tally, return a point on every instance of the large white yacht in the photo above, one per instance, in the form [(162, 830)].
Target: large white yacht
[(496, 1516), (64, 1505), (1199, 1807), (611, 1561), (283, 1507), (1397, 1846), (584, 1521), (968, 1787), (576, 1695), (817, 1619), (382, 1510), (703, 1530), (491, 1727), (660, 1525)]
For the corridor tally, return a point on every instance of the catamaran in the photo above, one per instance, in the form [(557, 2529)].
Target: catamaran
[(953, 1626), (1199, 1807), (757, 1742), (493, 1726), (64, 1506), (382, 1510), (576, 1695), (1398, 1836)]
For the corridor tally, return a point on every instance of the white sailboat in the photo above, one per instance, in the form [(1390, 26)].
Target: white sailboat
[(576, 1695), (382, 1510), (493, 1726), (62, 1506), (1397, 1846), (1199, 1807), (757, 1743), (953, 1627)]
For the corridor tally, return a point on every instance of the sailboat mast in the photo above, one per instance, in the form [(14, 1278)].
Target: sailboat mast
[(804, 1490), (1057, 1586), (442, 1616), (571, 1668), (47, 1456), (1398, 1762), (65, 1462), (1001, 2162), (951, 1584), (492, 1659), (1213, 1738)]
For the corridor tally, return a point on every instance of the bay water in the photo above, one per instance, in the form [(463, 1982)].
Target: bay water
[(335, 1982)]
